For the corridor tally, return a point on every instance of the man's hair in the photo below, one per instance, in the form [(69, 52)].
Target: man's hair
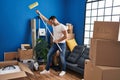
[(52, 17)]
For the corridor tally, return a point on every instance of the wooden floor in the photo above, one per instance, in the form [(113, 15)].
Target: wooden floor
[(70, 75)]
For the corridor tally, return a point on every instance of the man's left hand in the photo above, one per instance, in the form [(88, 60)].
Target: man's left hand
[(55, 41)]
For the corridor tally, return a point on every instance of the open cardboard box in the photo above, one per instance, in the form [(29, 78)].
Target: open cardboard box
[(22, 73)]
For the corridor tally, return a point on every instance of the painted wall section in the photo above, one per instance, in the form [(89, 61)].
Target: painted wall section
[(75, 14), (15, 20)]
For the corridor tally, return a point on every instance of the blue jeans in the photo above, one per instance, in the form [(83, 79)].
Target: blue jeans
[(52, 51)]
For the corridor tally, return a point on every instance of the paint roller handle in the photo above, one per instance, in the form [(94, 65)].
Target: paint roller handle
[(43, 17), (39, 14)]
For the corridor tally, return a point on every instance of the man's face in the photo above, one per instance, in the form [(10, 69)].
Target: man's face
[(53, 21)]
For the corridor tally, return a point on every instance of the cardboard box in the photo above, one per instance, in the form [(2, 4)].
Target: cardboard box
[(22, 73), (56, 58), (70, 28), (105, 52), (101, 72), (106, 30), (25, 54), (42, 67), (10, 56), (25, 46), (107, 73), (70, 36), (119, 33), (89, 70)]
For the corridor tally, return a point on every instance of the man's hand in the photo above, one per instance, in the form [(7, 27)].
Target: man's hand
[(38, 12), (43, 17), (55, 41)]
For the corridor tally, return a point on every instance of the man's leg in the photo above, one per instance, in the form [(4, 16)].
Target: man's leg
[(51, 52), (62, 57)]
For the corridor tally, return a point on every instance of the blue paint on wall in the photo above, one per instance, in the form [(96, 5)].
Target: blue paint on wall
[(15, 20), (75, 14)]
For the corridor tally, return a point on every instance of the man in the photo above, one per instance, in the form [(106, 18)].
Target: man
[(60, 35)]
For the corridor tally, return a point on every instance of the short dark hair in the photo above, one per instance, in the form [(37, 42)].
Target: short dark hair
[(52, 17)]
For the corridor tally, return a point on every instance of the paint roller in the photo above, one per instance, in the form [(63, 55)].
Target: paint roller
[(35, 4), (31, 6)]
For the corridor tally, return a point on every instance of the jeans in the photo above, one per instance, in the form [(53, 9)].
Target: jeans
[(52, 51)]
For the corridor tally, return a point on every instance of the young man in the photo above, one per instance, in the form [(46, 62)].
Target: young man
[(60, 35)]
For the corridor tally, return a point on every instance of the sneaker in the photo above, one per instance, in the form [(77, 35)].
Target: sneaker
[(62, 73), (44, 72)]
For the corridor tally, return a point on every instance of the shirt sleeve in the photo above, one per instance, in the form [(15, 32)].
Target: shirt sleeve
[(63, 27)]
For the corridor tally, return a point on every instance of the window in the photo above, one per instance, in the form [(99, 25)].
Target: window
[(99, 10)]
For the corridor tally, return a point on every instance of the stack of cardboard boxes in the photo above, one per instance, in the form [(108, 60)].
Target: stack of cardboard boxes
[(22, 54), (70, 31), (104, 53), (26, 52), (70, 28)]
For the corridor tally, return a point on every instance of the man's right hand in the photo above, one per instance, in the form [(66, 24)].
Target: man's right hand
[(43, 17), (38, 12)]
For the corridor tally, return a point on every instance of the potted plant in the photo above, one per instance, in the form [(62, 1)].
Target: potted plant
[(41, 50)]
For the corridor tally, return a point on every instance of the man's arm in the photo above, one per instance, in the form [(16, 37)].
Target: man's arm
[(43, 17), (62, 38)]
